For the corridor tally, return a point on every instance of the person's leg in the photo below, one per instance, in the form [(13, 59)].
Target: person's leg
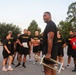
[(10, 62), (69, 53), (62, 61), (74, 65), (3, 65), (14, 55), (19, 60), (47, 71), (17, 56), (30, 56), (24, 61), (69, 59), (53, 71)]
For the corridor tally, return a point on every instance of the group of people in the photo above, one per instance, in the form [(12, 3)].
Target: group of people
[(19, 46), (50, 43)]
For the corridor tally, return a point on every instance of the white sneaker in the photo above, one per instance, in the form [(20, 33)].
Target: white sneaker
[(10, 69), (68, 66), (4, 69)]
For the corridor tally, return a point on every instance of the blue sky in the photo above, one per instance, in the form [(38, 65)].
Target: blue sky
[(22, 12)]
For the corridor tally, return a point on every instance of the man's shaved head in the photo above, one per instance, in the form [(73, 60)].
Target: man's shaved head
[(47, 17)]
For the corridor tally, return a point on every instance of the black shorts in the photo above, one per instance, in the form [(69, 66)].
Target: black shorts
[(36, 49), (74, 53), (17, 49), (41, 47), (6, 55), (60, 52), (24, 51), (53, 54), (69, 52)]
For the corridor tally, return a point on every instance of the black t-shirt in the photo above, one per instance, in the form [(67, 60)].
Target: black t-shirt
[(41, 40), (51, 27), (60, 42), (7, 43), (17, 45), (30, 36), (68, 41), (24, 38), (36, 37), (12, 39)]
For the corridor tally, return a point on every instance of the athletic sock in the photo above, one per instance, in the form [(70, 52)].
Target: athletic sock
[(9, 66)]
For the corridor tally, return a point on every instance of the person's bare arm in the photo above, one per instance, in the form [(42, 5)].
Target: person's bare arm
[(6, 49), (50, 44), (19, 42)]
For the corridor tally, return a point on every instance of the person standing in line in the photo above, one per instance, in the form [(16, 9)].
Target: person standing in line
[(7, 53), (49, 43), (61, 44), (69, 51), (73, 44), (25, 46)]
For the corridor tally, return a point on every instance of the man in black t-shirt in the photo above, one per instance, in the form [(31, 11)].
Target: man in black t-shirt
[(49, 43), (25, 43), (69, 51)]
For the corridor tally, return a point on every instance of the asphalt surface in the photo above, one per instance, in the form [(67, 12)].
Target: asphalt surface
[(32, 69)]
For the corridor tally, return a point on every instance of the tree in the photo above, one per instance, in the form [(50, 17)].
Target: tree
[(72, 14), (34, 27), (4, 28), (64, 27)]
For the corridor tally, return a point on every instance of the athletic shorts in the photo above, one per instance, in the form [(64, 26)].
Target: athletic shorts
[(41, 47), (74, 53), (24, 51), (53, 54), (17, 49), (5, 54), (36, 49), (60, 52), (69, 52)]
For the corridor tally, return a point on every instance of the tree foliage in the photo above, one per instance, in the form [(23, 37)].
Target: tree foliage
[(72, 14), (34, 27), (64, 27), (4, 28), (70, 22)]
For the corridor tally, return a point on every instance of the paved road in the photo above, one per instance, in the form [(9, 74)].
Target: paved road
[(33, 69)]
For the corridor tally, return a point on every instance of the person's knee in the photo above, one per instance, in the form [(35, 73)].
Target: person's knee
[(11, 58), (20, 56), (24, 56), (47, 70)]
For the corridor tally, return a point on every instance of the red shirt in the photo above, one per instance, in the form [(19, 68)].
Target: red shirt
[(73, 43)]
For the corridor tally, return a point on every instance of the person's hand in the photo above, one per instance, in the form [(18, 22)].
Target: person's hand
[(48, 56), (21, 44), (9, 52)]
